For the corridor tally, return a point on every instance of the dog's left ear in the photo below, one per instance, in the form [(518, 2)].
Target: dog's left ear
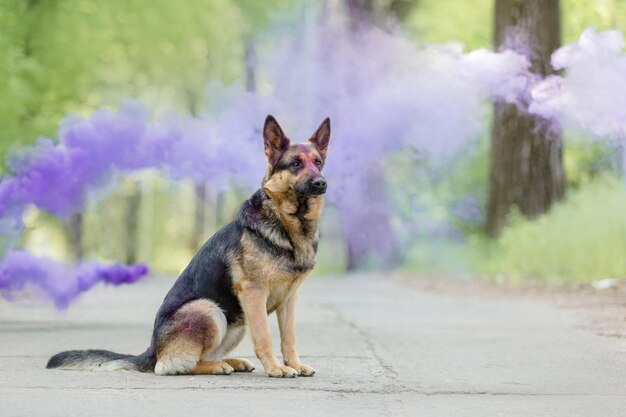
[(321, 137)]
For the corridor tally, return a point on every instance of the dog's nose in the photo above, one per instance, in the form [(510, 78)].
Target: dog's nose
[(319, 184)]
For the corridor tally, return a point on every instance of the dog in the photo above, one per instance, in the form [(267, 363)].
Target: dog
[(247, 270)]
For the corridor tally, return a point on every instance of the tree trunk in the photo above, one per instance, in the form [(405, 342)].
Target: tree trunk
[(74, 228), (250, 62), (526, 151), (200, 201), (363, 13), (133, 202), (199, 218)]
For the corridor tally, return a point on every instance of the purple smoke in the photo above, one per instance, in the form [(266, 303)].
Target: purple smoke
[(383, 93), (60, 282), (592, 95), (55, 177)]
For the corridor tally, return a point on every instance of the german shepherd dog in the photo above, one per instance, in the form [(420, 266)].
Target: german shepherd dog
[(247, 270)]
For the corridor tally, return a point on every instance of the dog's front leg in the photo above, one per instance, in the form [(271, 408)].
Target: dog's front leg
[(253, 300), (286, 313)]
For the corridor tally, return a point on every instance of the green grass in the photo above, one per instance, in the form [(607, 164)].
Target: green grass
[(580, 240)]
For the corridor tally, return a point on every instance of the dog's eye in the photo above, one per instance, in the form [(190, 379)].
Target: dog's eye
[(296, 164), (318, 163)]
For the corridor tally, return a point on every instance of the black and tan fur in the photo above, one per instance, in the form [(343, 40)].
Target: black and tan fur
[(247, 270)]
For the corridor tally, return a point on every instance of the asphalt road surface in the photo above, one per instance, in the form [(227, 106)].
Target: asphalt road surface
[(379, 348)]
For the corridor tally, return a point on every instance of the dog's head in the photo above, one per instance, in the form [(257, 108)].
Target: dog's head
[(295, 169)]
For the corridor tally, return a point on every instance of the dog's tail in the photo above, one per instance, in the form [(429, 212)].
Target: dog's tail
[(102, 360)]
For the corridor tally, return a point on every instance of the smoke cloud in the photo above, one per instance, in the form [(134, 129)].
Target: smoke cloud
[(382, 93), (591, 96), (61, 283)]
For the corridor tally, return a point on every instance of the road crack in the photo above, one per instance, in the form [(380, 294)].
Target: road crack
[(383, 371)]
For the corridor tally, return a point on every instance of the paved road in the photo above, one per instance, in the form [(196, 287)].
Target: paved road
[(380, 349)]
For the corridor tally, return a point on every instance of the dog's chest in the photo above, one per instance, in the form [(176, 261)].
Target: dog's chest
[(286, 274), (282, 287), (280, 273)]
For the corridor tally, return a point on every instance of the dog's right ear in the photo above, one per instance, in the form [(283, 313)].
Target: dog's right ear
[(274, 139)]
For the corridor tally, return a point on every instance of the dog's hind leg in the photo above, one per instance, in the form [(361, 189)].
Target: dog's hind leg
[(193, 332), (212, 368), (240, 364), (234, 335)]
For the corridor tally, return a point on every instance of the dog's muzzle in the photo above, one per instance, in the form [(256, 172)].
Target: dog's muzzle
[(318, 186), (314, 187)]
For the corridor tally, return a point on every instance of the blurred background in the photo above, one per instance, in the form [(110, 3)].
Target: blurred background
[(445, 209)]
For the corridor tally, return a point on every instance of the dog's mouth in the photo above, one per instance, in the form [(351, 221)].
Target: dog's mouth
[(316, 193)]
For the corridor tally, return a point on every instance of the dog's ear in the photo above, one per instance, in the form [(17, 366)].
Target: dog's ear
[(274, 139), (321, 137)]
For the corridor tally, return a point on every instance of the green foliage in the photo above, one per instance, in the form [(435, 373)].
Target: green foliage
[(23, 85), (578, 15), (586, 159), (64, 56), (581, 239), (448, 234), (471, 22), (431, 193)]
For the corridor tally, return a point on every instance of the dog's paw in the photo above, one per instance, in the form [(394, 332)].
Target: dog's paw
[(223, 369), (212, 368), (281, 371), (302, 369), (240, 364)]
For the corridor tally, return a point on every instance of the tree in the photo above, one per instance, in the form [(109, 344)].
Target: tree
[(131, 219), (526, 151), (42, 68), (31, 87), (74, 231)]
